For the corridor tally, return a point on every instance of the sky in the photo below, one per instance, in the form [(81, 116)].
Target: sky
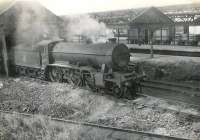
[(71, 7)]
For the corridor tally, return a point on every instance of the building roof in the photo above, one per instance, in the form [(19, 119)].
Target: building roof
[(123, 17), (21, 5), (5, 5), (152, 15), (29, 22), (13, 12)]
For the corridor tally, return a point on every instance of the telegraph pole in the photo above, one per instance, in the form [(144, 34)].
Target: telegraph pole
[(4, 50)]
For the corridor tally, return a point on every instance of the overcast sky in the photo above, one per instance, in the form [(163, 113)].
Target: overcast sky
[(68, 7)]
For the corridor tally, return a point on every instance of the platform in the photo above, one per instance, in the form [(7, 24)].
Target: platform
[(169, 68), (192, 51)]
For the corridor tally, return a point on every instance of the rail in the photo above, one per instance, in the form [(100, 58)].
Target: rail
[(112, 132), (189, 94)]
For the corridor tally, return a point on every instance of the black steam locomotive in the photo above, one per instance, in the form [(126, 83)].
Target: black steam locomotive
[(102, 67)]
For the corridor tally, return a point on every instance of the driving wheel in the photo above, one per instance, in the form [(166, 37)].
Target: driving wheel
[(55, 74)]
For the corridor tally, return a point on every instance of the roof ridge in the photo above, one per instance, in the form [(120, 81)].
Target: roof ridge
[(138, 17), (8, 7)]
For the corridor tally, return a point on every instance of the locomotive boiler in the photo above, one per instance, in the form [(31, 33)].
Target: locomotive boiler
[(112, 55), (103, 66)]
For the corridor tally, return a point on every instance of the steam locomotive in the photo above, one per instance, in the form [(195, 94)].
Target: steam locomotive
[(102, 66)]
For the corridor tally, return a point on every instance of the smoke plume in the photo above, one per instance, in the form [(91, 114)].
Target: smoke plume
[(84, 25), (34, 23)]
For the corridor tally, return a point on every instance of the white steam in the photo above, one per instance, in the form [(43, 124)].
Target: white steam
[(34, 24), (84, 25)]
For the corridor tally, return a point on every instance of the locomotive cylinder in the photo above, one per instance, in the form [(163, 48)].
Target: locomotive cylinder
[(113, 55)]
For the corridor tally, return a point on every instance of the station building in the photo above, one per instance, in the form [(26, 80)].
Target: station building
[(151, 26), (171, 25)]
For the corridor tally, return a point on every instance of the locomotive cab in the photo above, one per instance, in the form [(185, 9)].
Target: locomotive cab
[(31, 60)]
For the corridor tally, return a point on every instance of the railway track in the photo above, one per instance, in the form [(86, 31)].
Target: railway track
[(180, 113), (172, 91), (94, 131)]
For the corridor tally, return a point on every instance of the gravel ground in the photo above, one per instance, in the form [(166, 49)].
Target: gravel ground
[(62, 101), (38, 127)]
